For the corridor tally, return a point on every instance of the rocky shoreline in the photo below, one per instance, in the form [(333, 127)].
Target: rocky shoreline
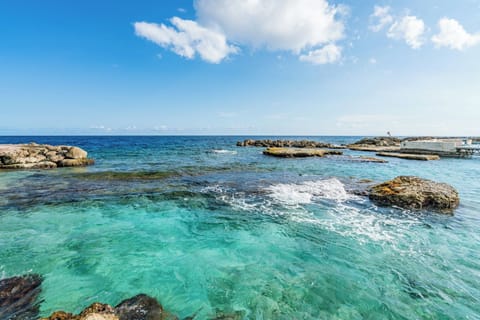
[(299, 153), (42, 156), (287, 144)]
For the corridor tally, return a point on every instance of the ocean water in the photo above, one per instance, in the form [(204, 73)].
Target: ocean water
[(210, 228)]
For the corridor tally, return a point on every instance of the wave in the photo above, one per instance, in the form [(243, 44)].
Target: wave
[(309, 191), (222, 151)]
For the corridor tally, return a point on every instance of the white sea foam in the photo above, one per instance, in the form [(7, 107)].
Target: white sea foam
[(344, 218), (308, 191), (223, 151)]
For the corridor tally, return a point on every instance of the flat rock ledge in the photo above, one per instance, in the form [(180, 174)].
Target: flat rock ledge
[(410, 156), (415, 193), (299, 153), (287, 144), (41, 156)]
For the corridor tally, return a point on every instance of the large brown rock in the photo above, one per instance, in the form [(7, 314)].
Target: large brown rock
[(76, 153), (37, 156), (415, 193), (19, 297)]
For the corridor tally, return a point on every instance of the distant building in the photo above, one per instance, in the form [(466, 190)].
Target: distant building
[(435, 145)]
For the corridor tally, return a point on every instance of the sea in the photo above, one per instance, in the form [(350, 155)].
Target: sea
[(209, 229)]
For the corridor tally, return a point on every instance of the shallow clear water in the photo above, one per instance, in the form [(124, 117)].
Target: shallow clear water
[(207, 227)]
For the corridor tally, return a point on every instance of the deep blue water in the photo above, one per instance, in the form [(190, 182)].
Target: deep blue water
[(208, 227)]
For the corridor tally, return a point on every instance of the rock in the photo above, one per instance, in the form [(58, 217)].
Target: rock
[(415, 193), (286, 144), (299, 153), (36, 156), (19, 297), (379, 142), (96, 311), (376, 144), (76, 153), (142, 307), (410, 156), (371, 159)]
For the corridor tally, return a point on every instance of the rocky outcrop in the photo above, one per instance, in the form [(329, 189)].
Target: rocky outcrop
[(19, 297), (409, 156), (376, 144), (287, 144), (41, 156), (299, 153), (140, 307), (415, 193)]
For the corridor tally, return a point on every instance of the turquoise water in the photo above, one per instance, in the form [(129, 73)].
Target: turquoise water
[(208, 227)]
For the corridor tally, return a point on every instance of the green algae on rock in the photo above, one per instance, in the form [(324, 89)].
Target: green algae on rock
[(415, 193)]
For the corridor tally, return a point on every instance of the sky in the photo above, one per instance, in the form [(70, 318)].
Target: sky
[(240, 67)]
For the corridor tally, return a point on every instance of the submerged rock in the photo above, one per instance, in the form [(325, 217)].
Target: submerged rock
[(142, 307), (19, 297), (415, 193), (37, 156), (286, 144), (299, 153), (410, 156)]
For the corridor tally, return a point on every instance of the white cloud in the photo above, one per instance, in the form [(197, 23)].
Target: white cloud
[(452, 35), (297, 26), (381, 17), (408, 28), (292, 25), (187, 38), (372, 61), (328, 54)]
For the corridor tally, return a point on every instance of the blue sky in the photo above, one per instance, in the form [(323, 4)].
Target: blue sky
[(240, 67)]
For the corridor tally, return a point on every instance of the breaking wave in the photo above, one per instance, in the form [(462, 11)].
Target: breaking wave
[(222, 151), (309, 191)]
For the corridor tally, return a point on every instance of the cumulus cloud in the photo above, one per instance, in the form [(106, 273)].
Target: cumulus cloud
[(452, 35), (187, 38), (408, 28), (380, 18), (291, 25), (328, 54), (306, 28)]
